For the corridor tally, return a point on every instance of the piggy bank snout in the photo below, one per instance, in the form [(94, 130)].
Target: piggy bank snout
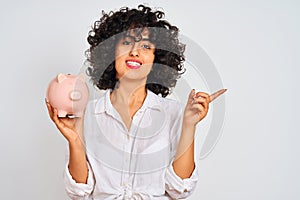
[(75, 95)]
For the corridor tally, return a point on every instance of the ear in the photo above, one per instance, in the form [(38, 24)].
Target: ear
[(81, 77), (61, 78)]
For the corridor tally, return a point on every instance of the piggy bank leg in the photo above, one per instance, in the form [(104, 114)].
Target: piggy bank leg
[(62, 113), (78, 114)]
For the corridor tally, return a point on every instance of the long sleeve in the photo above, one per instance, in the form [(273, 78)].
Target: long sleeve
[(79, 191), (176, 187), (179, 188)]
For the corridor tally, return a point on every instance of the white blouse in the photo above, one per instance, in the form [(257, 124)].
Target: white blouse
[(134, 163)]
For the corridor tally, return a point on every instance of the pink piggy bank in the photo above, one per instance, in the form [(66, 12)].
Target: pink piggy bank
[(69, 94)]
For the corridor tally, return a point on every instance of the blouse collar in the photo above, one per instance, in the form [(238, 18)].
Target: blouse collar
[(104, 104)]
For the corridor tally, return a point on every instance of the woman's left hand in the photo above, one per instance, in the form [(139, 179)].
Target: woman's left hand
[(197, 106)]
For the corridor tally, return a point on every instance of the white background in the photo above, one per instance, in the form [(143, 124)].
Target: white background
[(254, 45)]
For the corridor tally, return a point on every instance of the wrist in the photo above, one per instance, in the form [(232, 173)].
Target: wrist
[(188, 125), (76, 141), (188, 131)]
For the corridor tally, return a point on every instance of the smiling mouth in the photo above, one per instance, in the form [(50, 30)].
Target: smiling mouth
[(133, 64)]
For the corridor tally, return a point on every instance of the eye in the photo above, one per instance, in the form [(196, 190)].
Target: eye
[(146, 46), (126, 42)]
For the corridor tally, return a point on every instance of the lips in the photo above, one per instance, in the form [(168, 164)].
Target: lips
[(133, 64)]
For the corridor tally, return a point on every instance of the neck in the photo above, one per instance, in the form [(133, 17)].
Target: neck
[(129, 93)]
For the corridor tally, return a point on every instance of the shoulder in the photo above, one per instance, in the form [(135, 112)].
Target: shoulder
[(168, 105), (97, 105)]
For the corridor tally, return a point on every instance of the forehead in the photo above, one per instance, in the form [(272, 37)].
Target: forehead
[(137, 34)]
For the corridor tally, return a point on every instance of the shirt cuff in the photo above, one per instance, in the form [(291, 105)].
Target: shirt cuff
[(180, 188), (74, 189)]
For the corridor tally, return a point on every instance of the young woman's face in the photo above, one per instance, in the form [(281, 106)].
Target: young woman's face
[(134, 59)]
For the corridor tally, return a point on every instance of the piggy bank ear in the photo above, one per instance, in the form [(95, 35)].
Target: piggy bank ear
[(81, 77), (61, 77)]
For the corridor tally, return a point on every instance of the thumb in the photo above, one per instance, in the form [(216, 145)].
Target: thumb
[(191, 96)]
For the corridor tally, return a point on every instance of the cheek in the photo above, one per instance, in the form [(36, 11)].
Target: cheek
[(120, 57), (150, 62), (118, 53), (149, 58), (119, 69)]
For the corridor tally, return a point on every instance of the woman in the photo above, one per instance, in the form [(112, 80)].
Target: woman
[(133, 143)]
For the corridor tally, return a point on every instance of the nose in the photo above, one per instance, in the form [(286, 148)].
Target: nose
[(134, 50)]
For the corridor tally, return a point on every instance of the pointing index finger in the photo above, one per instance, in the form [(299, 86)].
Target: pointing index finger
[(217, 94)]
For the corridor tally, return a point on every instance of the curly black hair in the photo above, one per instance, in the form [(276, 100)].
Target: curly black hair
[(112, 26)]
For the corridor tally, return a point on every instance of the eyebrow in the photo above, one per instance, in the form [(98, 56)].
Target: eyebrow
[(134, 38)]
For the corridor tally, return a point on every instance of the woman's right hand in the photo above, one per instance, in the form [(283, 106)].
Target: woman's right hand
[(70, 128)]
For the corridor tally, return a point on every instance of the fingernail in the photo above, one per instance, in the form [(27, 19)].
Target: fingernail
[(46, 100)]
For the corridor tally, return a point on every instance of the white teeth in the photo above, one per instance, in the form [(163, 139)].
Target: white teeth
[(133, 63)]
